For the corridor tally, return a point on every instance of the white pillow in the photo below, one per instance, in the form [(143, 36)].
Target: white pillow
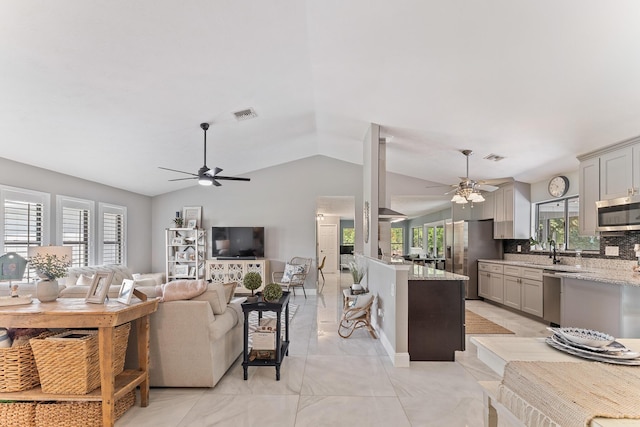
[(290, 270), (84, 280)]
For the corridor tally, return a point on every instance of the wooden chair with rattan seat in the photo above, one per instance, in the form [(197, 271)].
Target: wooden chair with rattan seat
[(357, 316)]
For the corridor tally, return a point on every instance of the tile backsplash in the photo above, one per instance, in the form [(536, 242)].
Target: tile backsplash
[(624, 241)]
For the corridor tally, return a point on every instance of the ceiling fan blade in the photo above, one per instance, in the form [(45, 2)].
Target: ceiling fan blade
[(496, 181), (182, 179), (233, 178), (216, 183), (486, 187), (175, 170)]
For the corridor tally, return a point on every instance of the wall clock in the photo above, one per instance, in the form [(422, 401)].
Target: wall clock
[(366, 221), (558, 186)]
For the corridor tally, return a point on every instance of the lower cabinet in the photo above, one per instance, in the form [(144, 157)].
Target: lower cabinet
[(519, 287), (225, 271)]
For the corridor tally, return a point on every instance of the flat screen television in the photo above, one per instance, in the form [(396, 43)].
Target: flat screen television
[(237, 242)]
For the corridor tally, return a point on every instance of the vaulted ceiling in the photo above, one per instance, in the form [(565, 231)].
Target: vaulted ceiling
[(110, 90)]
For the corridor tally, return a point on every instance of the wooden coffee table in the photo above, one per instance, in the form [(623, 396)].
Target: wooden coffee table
[(76, 313)]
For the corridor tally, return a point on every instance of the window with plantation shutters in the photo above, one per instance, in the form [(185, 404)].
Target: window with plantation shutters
[(113, 232), (75, 229), (24, 214)]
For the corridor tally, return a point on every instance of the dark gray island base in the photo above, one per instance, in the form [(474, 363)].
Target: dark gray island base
[(436, 314)]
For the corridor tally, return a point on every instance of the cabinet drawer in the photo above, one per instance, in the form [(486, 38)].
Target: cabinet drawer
[(532, 273), (512, 270), (490, 267)]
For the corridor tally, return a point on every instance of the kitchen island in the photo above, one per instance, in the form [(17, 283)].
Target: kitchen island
[(436, 314)]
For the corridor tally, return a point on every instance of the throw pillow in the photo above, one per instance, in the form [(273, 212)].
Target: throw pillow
[(84, 280), (182, 289), (290, 270), (229, 290), (215, 296)]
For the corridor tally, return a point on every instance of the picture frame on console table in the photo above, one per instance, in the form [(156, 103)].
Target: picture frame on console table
[(191, 213), (99, 287), (126, 292)]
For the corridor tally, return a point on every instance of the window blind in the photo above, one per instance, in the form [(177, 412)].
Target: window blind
[(76, 233), (22, 228), (113, 242)]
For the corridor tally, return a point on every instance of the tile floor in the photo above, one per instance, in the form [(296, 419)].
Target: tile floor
[(330, 381)]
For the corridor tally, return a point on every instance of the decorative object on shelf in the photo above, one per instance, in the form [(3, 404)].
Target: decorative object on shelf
[(178, 220), (181, 270), (558, 186), (272, 292), (192, 213), (99, 287), (50, 263), (192, 223), (252, 281), (206, 176), (12, 267)]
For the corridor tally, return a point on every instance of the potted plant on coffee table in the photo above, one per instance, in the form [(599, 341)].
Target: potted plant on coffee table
[(272, 292), (252, 281)]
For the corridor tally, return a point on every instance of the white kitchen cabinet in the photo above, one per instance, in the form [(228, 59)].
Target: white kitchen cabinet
[(589, 180), (512, 291), (616, 173), (484, 284), (490, 283), (531, 296), (512, 211), (497, 288)]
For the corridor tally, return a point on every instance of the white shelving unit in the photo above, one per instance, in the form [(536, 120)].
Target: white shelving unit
[(185, 254)]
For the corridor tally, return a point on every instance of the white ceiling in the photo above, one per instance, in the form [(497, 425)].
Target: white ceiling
[(109, 91)]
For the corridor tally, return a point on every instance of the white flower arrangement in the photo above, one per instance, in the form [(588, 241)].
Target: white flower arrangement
[(50, 266)]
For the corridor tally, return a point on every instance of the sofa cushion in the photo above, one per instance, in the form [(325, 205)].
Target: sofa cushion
[(216, 297), (229, 290), (84, 280), (82, 291), (183, 289), (157, 278), (120, 272)]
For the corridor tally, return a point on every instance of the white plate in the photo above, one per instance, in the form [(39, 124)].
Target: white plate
[(588, 355), (587, 337), (625, 355)]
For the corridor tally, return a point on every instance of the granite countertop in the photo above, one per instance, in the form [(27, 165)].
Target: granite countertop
[(420, 272), (610, 276)]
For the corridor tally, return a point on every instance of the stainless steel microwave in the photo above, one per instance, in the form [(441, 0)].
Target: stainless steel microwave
[(618, 214)]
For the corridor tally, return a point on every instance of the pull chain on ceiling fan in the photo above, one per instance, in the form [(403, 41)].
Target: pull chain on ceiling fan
[(204, 175)]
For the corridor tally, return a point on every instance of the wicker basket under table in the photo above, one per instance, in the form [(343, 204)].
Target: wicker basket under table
[(14, 414), (85, 414), (18, 370), (72, 366)]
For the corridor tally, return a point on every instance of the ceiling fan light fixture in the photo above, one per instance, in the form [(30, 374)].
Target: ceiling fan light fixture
[(203, 180)]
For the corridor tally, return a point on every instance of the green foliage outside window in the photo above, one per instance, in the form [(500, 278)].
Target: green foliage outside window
[(397, 241), (348, 236)]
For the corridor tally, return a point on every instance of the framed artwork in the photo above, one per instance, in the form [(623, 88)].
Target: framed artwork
[(177, 241), (181, 270), (191, 213), (126, 291), (99, 287), (181, 256), (192, 223)]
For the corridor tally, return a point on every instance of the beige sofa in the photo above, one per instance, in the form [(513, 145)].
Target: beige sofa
[(192, 342)]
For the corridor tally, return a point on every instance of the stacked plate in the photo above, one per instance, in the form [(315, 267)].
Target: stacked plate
[(592, 345)]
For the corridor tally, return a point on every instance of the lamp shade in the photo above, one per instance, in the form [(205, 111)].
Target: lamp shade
[(58, 251)]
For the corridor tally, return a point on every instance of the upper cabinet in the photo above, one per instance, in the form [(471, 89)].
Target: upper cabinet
[(589, 178), (616, 174), (605, 174), (512, 214)]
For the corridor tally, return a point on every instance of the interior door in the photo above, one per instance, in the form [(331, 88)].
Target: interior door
[(328, 246)]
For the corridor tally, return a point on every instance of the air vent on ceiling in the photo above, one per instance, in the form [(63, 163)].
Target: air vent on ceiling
[(494, 157), (247, 114)]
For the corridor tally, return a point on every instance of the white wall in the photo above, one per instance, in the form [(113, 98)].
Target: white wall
[(138, 206)]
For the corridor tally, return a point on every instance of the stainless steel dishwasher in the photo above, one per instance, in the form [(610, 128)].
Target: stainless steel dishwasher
[(551, 297)]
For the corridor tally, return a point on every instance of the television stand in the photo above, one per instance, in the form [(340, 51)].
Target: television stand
[(226, 258)]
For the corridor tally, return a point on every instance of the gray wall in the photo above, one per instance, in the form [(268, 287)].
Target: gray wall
[(19, 175), (282, 199)]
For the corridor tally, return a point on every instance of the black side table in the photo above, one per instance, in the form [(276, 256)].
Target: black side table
[(282, 346)]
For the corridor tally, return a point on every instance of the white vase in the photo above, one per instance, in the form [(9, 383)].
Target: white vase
[(47, 290)]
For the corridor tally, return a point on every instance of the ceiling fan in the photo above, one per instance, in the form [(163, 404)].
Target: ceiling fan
[(469, 190), (206, 176)]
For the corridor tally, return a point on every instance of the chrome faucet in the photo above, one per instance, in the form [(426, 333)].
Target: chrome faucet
[(552, 252)]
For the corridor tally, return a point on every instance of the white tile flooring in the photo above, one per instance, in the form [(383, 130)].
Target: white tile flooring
[(331, 381)]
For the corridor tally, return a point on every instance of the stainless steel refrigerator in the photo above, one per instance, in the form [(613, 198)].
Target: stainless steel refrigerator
[(465, 243)]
